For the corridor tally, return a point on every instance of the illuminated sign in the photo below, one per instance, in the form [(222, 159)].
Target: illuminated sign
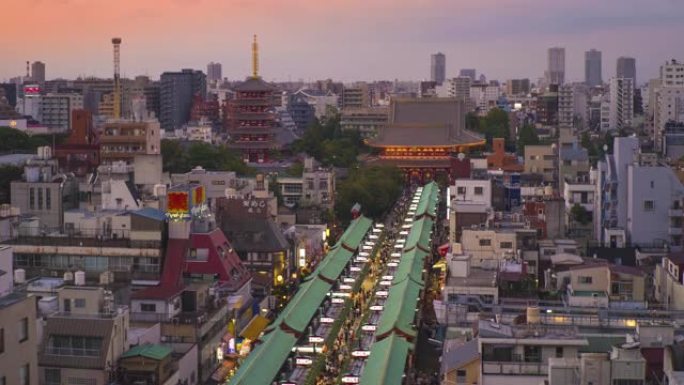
[(350, 380), (219, 354), (379, 225), (381, 293), (345, 287), (377, 307), (355, 268), (364, 254), (361, 259), (368, 328), (178, 202), (303, 361), (327, 320), (338, 294), (316, 340), (338, 300), (389, 277), (348, 280), (395, 255), (32, 89), (385, 283), (360, 353), (392, 264), (198, 195)]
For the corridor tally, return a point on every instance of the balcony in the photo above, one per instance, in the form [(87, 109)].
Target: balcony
[(515, 368), (111, 139), (674, 231), (675, 212)]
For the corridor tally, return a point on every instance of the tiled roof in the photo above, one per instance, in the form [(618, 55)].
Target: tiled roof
[(171, 282), (254, 84), (73, 326)]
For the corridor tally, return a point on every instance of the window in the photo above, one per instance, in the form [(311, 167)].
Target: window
[(461, 190), (585, 280), (32, 198), (53, 377), (2, 341), (485, 242), (23, 329), (649, 205), (559, 352), (40, 198), (79, 303), (479, 190), (148, 307), (506, 245), (48, 199), (24, 375), (460, 376)]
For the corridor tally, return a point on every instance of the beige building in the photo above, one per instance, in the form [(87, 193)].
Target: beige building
[(124, 139), (367, 121), (83, 341), (618, 283), (18, 340), (669, 282), (541, 159), (316, 187), (488, 247), (623, 365)]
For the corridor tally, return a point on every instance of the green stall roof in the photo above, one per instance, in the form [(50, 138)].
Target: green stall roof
[(155, 352), (335, 263), (399, 310), (263, 364), (419, 234), (302, 307), (411, 266), (387, 361), (355, 232)]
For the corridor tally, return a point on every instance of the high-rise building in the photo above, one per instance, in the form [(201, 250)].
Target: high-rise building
[(555, 73), (626, 68), (592, 68), (668, 99), (38, 72), (55, 110), (469, 72), (517, 87), (177, 91), (214, 72), (621, 103), (438, 68)]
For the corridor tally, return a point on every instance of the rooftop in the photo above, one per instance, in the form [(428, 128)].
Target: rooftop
[(492, 329), (478, 277)]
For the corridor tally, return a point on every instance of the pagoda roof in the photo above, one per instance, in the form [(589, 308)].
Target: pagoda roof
[(426, 122), (254, 84)]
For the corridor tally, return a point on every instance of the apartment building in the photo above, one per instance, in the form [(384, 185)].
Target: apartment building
[(367, 121), (617, 283), (542, 159), (18, 332), (84, 338), (122, 140)]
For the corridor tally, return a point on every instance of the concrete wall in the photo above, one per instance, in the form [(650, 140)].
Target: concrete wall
[(18, 353)]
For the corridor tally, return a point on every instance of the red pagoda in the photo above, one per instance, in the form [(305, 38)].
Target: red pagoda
[(250, 118), (424, 136)]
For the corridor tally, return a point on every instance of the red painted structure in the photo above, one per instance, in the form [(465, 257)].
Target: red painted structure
[(80, 153), (250, 121)]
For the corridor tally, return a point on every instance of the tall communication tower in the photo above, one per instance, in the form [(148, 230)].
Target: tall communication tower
[(116, 42)]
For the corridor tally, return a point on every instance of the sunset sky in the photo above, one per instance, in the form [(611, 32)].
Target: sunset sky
[(340, 39)]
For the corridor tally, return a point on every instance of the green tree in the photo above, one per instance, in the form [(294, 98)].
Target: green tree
[(326, 142), (7, 175), (526, 136), (375, 188), (579, 214), (494, 125), (12, 140), (176, 159), (472, 121)]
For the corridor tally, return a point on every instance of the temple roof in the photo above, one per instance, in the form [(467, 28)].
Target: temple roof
[(254, 84), (426, 122)]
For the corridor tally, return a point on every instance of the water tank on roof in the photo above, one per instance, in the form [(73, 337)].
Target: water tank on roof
[(19, 276), (32, 174), (68, 276), (79, 278), (159, 190)]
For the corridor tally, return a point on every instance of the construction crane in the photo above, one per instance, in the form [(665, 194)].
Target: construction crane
[(116, 42)]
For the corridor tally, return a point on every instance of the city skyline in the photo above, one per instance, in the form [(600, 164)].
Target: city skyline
[(389, 40)]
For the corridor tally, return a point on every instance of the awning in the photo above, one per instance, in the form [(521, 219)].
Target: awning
[(255, 326), (441, 264)]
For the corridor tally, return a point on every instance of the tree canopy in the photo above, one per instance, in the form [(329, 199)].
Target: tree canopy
[(326, 142), (494, 125), (12, 140), (375, 188), (177, 159), (579, 214), (527, 135)]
